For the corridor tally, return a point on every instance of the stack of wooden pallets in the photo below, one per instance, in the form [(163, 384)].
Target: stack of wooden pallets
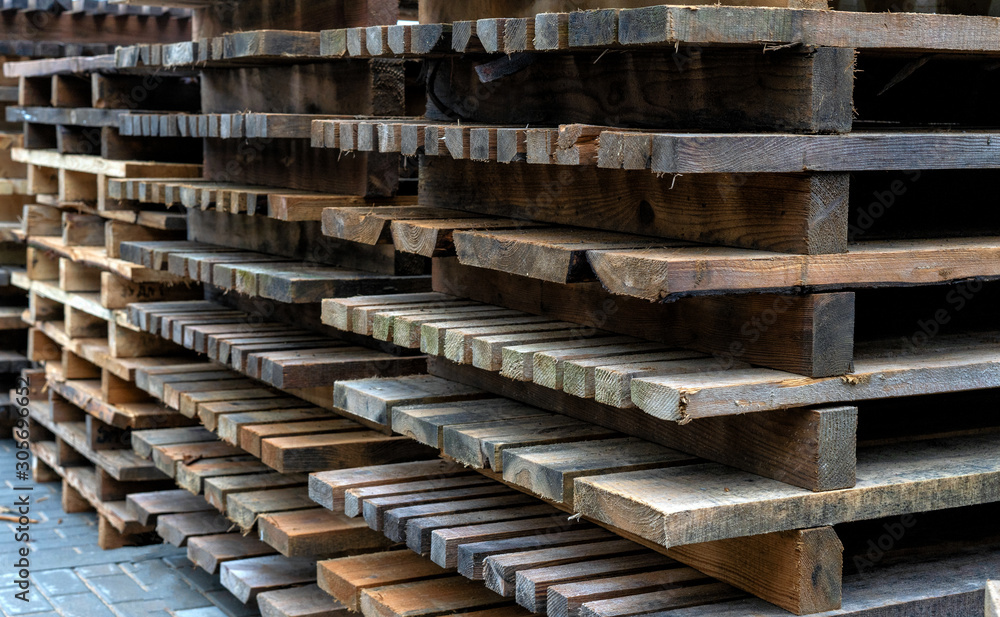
[(13, 196), (47, 32), (62, 281), (630, 310)]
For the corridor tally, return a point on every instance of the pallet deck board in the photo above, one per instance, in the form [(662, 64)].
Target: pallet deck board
[(906, 478), (530, 573), (317, 532), (658, 274), (246, 578), (305, 601), (944, 367), (327, 488), (209, 552), (346, 578), (178, 528)]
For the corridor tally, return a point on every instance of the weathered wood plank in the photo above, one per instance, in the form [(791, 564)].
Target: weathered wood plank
[(414, 524), (251, 434), (445, 542), (177, 528), (529, 574), (317, 532), (346, 578), (879, 373), (246, 578), (425, 423), (807, 334), (657, 274), (209, 552), (529, 551), (355, 499), (339, 450), (680, 153), (374, 399), (550, 470), (306, 601), (145, 507), (720, 89), (191, 476), (327, 488), (821, 442), (424, 597), (245, 508), (217, 490), (892, 480), (805, 213), (481, 445)]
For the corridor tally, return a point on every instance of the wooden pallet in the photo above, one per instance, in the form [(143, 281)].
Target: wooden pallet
[(282, 204), (585, 321), (554, 32), (284, 356), (265, 275), (67, 447), (466, 529)]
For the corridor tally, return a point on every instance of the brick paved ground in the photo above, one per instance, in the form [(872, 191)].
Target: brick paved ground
[(72, 577)]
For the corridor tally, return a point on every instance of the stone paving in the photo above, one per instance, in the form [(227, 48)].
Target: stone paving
[(72, 577)]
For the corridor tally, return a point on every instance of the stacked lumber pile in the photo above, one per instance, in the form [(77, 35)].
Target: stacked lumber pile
[(631, 310), (13, 196), (66, 285), (49, 32)]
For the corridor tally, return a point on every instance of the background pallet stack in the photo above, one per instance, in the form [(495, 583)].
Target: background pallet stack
[(54, 31), (67, 284), (501, 308), (13, 196)]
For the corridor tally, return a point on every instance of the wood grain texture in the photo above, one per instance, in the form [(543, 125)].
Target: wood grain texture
[(784, 445), (729, 24), (438, 11), (338, 450), (209, 552), (901, 588), (947, 366), (730, 328), (177, 528), (425, 423), (346, 578), (657, 274), (711, 89), (246, 578), (327, 488), (894, 480), (549, 470), (317, 532), (796, 213), (297, 15), (356, 174), (217, 490), (679, 153), (424, 597), (305, 601), (531, 584), (374, 399), (358, 501)]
